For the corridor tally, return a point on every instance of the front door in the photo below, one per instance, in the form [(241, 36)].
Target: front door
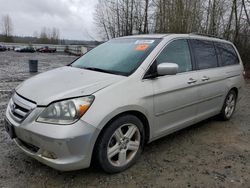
[(175, 96)]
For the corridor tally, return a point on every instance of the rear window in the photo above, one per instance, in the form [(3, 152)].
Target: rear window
[(205, 54), (227, 54)]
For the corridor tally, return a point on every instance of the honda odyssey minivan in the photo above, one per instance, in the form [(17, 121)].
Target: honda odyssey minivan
[(105, 106)]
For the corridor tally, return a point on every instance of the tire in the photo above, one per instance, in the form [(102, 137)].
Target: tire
[(116, 149), (229, 106)]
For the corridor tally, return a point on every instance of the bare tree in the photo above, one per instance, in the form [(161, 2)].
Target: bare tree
[(245, 9), (7, 28), (146, 16), (49, 36), (55, 35), (117, 18)]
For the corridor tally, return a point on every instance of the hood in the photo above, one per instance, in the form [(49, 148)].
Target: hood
[(64, 82)]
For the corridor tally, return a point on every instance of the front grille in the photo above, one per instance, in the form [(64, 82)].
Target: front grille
[(20, 108)]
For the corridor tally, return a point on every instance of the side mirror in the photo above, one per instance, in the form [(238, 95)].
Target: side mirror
[(167, 69)]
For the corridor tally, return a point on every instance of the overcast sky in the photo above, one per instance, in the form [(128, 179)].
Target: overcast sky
[(74, 18)]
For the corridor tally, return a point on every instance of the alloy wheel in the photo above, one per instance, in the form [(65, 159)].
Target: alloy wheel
[(230, 105), (123, 145)]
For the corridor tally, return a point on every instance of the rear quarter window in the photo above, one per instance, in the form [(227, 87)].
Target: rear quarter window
[(205, 54), (227, 54)]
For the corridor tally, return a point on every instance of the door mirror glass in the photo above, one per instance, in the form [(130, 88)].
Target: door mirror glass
[(167, 69)]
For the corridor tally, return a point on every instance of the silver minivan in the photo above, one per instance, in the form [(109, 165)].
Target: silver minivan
[(105, 106)]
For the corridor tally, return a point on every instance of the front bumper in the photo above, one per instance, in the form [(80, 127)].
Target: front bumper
[(62, 147)]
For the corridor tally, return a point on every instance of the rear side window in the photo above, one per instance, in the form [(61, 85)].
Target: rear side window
[(205, 54), (227, 54), (177, 52)]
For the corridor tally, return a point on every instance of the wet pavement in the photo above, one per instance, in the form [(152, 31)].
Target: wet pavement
[(212, 153)]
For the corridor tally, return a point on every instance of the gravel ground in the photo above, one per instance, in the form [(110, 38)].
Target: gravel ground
[(212, 153)]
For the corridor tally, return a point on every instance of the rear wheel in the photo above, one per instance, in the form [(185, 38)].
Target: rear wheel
[(229, 105), (120, 144)]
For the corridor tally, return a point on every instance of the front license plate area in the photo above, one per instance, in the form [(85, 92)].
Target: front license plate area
[(10, 129)]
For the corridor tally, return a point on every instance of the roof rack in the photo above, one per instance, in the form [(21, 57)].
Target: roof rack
[(204, 34)]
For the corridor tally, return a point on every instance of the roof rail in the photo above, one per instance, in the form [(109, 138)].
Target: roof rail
[(204, 34)]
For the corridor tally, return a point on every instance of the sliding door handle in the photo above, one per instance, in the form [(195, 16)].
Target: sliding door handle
[(205, 78)]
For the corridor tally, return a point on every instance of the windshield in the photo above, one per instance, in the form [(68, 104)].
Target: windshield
[(118, 56)]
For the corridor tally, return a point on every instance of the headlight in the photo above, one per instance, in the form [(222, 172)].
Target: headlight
[(67, 111)]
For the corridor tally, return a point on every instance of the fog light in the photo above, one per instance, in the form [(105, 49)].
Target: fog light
[(49, 154)]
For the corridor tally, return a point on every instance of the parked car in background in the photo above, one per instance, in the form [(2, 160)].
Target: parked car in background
[(17, 49), (123, 94), (46, 49), (25, 49), (2, 48)]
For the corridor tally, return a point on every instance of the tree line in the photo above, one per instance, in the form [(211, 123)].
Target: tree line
[(46, 35), (228, 19)]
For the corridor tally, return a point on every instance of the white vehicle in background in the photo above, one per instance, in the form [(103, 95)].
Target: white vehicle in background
[(17, 49)]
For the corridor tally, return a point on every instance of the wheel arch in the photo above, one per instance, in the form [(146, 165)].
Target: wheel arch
[(140, 115), (235, 89)]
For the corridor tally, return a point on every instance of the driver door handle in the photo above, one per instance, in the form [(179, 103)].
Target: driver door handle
[(191, 81)]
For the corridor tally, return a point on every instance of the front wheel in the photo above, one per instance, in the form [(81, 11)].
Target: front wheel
[(229, 105), (120, 144)]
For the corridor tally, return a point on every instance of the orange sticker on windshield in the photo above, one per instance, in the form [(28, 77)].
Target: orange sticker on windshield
[(141, 47)]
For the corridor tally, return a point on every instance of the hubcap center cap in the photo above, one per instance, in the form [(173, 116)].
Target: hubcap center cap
[(124, 143)]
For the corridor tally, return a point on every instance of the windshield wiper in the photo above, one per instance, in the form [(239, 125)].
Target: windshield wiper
[(99, 70)]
